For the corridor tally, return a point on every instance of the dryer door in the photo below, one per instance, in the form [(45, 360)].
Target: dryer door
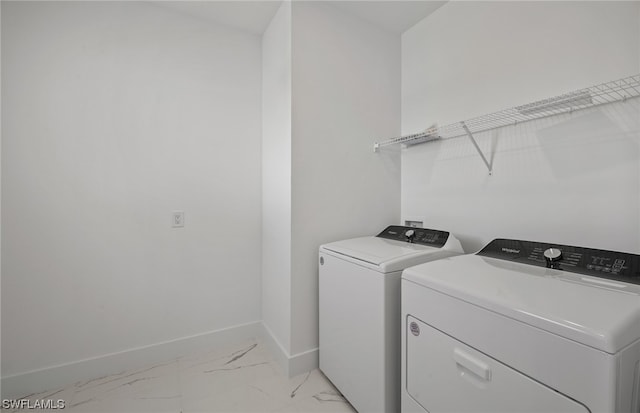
[(445, 375)]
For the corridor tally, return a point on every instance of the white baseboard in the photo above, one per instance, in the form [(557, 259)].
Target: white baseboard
[(277, 350), (291, 365), (54, 377), (62, 375), (303, 362)]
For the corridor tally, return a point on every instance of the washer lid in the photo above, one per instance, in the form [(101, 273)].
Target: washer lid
[(388, 255), (592, 311)]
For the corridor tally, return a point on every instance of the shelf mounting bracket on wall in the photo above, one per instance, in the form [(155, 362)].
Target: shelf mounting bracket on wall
[(476, 146)]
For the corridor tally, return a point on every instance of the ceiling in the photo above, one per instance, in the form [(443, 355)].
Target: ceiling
[(251, 16), (395, 16)]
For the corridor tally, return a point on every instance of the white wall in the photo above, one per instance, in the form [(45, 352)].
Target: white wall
[(0, 194), (346, 94), (276, 177), (116, 114), (572, 179)]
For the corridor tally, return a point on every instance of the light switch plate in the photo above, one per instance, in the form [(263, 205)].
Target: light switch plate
[(177, 219)]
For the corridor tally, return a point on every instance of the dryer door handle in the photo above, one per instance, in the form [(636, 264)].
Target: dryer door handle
[(472, 364)]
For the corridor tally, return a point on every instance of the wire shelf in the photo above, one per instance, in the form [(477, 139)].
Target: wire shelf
[(609, 92)]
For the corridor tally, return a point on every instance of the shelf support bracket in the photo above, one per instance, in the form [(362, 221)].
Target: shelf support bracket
[(464, 126)]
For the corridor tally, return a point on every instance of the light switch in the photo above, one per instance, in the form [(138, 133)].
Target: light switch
[(177, 219)]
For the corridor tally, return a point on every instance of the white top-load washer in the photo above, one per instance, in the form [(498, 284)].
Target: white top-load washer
[(522, 327), (359, 283)]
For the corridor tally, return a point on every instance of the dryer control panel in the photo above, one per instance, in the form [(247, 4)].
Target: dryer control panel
[(422, 236), (620, 266)]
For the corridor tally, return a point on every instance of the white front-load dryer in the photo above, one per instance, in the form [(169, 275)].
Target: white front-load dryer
[(522, 327), (359, 287)]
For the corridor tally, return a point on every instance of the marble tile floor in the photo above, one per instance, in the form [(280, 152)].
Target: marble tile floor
[(241, 378)]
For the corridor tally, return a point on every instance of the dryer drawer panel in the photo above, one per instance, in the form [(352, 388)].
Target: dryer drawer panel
[(445, 375)]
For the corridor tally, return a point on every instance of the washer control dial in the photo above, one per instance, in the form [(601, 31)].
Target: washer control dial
[(552, 255), (410, 234)]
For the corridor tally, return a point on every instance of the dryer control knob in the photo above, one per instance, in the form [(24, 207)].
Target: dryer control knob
[(552, 255), (410, 234)]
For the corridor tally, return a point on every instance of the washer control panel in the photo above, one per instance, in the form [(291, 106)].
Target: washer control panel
[(423, 236), (612, 265)]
